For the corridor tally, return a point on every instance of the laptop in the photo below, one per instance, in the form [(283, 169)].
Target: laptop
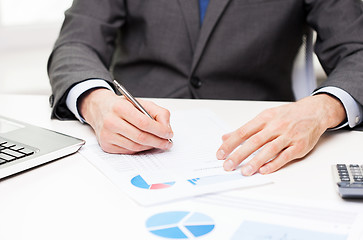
[(24, 146)]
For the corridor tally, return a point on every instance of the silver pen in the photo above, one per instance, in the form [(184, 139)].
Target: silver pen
[(132, 100)]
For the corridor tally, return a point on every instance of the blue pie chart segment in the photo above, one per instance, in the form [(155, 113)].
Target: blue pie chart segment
[(180, 224), (200, 230), (139, 182), (173, 233)]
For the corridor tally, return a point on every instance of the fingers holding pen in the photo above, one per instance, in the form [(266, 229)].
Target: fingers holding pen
[(132, 138), (160, 114), (138, 129), (120, 127), (146, 124)]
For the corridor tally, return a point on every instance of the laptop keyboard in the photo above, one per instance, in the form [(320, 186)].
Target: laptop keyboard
[(10, 151)]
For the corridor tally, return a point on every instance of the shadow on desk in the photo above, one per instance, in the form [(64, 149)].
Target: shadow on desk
[(360, 128)]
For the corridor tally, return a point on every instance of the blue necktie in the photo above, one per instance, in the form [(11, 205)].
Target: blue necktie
[(203, 4)]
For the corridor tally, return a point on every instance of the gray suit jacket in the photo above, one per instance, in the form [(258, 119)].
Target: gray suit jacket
[(244, 50)]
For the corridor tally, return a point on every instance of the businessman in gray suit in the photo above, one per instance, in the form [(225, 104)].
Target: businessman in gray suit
[(216, 49)]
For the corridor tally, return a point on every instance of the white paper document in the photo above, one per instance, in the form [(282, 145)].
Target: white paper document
[(190, 168), (227, 216), (197, 137), (263, 218)]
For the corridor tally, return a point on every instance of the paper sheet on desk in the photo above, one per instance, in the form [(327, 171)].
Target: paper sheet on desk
[(123, 172), (197, 137)]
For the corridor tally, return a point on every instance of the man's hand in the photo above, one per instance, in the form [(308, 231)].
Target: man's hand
[(120, 127), (286, 133)]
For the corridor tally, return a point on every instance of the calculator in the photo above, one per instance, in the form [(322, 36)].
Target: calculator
[(349, 180)]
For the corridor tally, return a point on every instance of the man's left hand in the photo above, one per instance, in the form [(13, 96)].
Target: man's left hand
[(283, 133)]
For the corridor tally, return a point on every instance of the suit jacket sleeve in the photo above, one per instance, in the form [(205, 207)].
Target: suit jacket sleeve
[(84, 48), (339, 45)]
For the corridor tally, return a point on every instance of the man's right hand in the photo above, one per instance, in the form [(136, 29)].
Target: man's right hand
[(120, 127)]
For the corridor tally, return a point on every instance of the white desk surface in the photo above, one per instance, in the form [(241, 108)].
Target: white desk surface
[(70, 199)]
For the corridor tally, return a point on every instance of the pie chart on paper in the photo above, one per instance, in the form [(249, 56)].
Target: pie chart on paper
[(139, 182), (180, 225)]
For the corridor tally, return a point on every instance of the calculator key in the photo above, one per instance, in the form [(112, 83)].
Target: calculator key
[(341, 166), (342, 170), (354, 166), (345, 179), (2, 161), (356, 174)]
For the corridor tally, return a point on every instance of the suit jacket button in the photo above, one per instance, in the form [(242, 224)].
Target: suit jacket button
[(196, 82), (51, 100)]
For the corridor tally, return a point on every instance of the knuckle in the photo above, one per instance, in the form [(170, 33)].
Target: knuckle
[(281, 124), (115, 107), (256, 140), (166, 112), (273, 147), (267, 114), (108, 123), (299, 147), (284, 157), (143, 123)]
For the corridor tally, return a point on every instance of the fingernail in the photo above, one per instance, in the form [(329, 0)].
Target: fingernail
[(170, 135), (228, 165), (221, 154), (247, 170)]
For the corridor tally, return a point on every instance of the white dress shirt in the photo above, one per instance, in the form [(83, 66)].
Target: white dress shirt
[(78, 90)]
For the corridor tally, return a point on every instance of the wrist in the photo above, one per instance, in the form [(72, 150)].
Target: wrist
[(333, 110), (89, 99)]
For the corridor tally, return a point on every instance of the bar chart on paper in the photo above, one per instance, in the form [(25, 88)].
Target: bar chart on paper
[(180, 225)]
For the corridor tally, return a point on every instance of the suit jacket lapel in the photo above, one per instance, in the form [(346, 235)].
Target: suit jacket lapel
[(214, 12), (190, 9)]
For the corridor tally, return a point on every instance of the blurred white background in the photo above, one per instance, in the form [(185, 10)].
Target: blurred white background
[(28, 30)]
